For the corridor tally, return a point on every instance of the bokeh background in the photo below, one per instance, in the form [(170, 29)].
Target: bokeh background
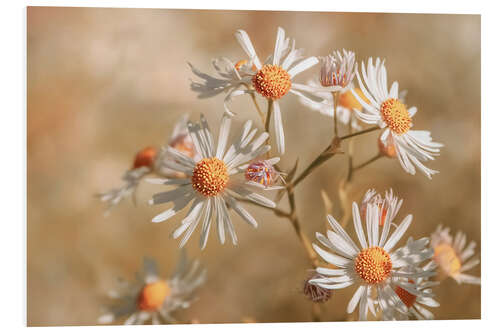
[(104, 83)]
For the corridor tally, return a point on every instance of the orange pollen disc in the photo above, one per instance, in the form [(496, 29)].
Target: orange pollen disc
[(145, 157), (373, 265), (183, 144), (153, 295), (407, 298), (210, 176), (272, 81), (396, 116), (350, 102), (447, 259)]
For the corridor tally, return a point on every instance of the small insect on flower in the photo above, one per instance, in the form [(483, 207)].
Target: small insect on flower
[(152, 298), (263, 172)]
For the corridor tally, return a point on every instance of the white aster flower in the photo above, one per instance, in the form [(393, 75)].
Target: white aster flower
[(451, 255), (386, 109), (150, 161), (215, 180), (373, 265), (153, 298), (273, 79), (415, 294)]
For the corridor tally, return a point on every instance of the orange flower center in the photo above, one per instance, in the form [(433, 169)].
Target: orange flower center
[(447, 259), (350, 102), (396, 116), (373, 265), (407, 298), (153, 295), (272, 81), (145, 157), (210, 176)]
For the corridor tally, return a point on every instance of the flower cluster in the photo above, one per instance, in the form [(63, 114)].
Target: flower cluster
[(209, 176)]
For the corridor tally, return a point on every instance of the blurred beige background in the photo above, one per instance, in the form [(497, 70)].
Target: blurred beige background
[(104, 83)]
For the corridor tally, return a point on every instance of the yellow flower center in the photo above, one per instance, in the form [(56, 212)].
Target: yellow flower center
[(210, 176), (407, 298), (350, 102), (153, 295), (396, 116), (272, 81), (447, 259), (145, 157), (373, 265)]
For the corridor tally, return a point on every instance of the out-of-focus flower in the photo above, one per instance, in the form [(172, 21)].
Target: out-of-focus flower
[(388, 206), (273, 79), (374, 265), (214, 181), (337, 70), (150, 160), (324, 104), (314, 292), (415, 294), (153, 298), (451, 255), (386, 109)]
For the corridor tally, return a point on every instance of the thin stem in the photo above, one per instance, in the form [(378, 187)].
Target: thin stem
[(350, 150), (298, 230), (323, 157), (268, 115), (371, 129), (257, 107), (335, 103), (373, 159)]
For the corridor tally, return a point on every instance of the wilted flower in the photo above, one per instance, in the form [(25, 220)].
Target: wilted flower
[(153, 298), (212, 181), (451, 255), (386, 109), (263, 173), (314, 292), (374, 265)]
